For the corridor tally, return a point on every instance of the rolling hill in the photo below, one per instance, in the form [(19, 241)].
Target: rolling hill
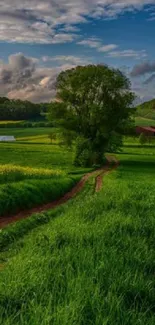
[(145, 113)]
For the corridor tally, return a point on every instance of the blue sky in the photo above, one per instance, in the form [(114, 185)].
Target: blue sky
[(38, 39)]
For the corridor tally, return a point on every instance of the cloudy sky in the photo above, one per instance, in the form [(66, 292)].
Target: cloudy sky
[(39, 38)]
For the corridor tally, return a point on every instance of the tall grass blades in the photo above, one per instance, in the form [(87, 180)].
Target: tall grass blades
[(26, 194), (93, 264)]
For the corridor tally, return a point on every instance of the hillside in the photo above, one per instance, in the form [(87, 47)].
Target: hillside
[(147, 110), (145, 113)]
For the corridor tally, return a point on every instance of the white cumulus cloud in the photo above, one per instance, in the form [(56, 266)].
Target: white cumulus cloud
[(52, 21), (25, 78)]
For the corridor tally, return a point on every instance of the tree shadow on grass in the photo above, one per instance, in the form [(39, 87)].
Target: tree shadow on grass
[(138, 166), (137, 154), (139, 146)]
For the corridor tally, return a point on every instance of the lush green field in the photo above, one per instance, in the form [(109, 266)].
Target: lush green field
[(146, 110), (146, 113), (22, 188), (93, 261), (29, 134), (33, 174), (36, 155), (27, 194), (142, 121)]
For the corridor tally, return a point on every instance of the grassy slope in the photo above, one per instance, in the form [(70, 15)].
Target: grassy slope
[(94, 264), (142, 121), (146, 113)]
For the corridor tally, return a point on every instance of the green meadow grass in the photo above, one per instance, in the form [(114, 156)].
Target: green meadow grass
[(146, 111), (142, 121), (23, 187), (36, 155), (39, 155), (92, 261), (34, 173), (30, 193), (21, 133), (10, 173)]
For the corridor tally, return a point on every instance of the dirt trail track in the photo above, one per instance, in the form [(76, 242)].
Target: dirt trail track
[(4, 221), (106, 170)]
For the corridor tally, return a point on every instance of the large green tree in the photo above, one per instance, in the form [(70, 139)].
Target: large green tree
[(94, 105)]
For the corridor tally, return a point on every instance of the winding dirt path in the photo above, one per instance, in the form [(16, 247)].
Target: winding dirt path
[(6, 220), (99, 179)]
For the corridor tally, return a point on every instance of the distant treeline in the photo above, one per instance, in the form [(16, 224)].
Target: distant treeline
[(26, 124), (16, 110)]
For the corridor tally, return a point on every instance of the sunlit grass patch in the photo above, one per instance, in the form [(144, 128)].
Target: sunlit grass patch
[(11, 122), (11, 173)]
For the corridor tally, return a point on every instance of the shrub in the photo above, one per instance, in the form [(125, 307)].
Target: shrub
[(142, 139)]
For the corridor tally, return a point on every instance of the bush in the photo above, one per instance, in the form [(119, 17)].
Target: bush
[(49, 124), (85, 156), (52, 136), (142, 139), (40, 124), (27, 125)]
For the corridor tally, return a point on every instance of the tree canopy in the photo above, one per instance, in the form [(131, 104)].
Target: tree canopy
[(94, 105)]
